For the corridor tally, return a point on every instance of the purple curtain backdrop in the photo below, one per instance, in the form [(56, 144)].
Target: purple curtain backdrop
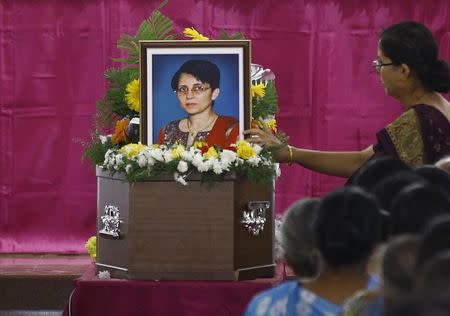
[(53, 54)]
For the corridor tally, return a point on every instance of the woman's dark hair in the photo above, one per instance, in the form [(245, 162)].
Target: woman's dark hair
[(437, 177), (376, 169), (347, 226), (416, 205), (298, 240), (435, 239), (435, 274), (203, 70), (387, 189), (412, 43)]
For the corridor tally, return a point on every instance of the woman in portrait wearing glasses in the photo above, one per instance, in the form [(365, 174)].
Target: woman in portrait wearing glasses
[(196, 85), (411, 72)]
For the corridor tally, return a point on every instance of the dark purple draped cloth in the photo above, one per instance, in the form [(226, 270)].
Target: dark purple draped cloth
[(53, 54), (419, 136)]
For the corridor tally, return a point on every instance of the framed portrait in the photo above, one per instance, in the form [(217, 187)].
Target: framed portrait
[(162, 96)]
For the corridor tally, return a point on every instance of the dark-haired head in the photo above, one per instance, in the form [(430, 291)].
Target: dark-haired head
[(298, 240), (399, 266), (347, 226), (388, 188), (203, 70), (435, 274), (376, 169), (415, 206), (435, 239), (412, 43), (437, 177)]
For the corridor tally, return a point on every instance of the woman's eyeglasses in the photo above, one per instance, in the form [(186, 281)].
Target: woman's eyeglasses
[(196, 90), (377, 64)]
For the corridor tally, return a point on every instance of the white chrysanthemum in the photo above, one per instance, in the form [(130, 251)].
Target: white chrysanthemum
[(187, 155), (128, 168), (254, 161), (257, 148), (157, 154), (227, 156), (197, 159), (147, 153), (179, 179), (119, 159), (182, 166), (104, 275), (204, 166), (167, 156), (218, 167), (142, 160)]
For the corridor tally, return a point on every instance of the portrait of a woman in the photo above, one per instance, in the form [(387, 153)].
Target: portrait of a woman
[(196, 84)]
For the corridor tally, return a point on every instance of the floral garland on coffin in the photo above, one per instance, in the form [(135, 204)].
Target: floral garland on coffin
[(121, 151)]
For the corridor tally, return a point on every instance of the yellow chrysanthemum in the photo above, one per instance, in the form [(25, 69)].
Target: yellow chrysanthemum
[(192, 33), (132, 95), (132, 150), (272, 123), (258, 90), (91, 247), (177, 151), (212, 152), (244, 150), (199, 144)]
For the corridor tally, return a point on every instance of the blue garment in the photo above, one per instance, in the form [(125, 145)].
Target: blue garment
[(290, 299)]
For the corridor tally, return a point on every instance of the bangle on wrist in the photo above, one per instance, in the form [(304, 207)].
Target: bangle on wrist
[(290, 155)]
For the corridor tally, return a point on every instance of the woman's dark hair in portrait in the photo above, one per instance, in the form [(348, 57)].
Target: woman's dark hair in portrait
[(348, 226), (412, 43), (203, 70)]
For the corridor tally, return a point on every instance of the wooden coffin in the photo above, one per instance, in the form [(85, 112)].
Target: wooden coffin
[(175, 232)]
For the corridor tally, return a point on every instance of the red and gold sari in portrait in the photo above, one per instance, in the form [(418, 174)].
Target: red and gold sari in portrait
[(224, 133), (421, 135)]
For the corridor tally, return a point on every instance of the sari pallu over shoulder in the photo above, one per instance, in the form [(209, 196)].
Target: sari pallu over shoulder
[(421, 135)]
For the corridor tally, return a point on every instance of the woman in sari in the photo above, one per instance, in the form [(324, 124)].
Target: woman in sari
[(411, 72), (196, 85)]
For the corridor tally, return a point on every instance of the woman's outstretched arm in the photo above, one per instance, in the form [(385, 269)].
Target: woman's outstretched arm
[(341, 164)]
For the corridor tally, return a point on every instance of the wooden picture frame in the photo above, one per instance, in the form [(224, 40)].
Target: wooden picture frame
[(159, 60)]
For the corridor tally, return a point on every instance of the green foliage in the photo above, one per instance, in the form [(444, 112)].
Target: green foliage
[(118, 79), (156, 27), (267, 105), (233, 36), (96, 150)]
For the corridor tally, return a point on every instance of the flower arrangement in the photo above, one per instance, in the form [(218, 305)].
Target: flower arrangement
[(118, 111), (91, 247)]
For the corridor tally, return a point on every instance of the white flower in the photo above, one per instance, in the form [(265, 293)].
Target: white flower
[(204, 166), (104, 275), (147, 153), (179, 179), (142, 160), (257, 148), (128, 168), (197, 159), (227, 156), (119, 159), (218, 167), (103, 139), (167, 156), (157, 154), (254, 161), (182, 166), (277, 169)]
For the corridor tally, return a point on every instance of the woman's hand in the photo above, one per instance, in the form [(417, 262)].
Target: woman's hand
[(263, 136)]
